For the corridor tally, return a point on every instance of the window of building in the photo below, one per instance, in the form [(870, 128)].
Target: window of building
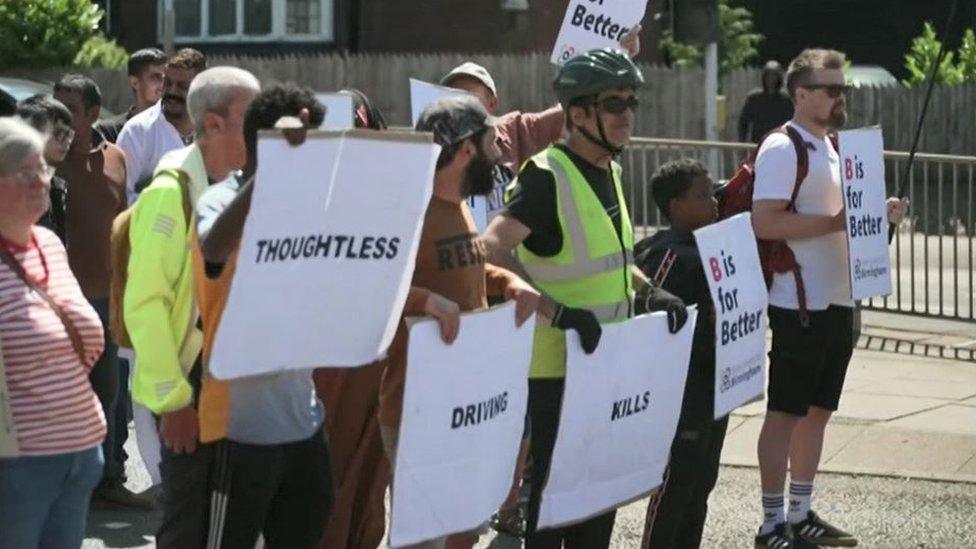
[(252, 20)]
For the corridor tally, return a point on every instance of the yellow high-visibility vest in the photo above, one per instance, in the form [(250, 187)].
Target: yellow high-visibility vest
[(592, 269)]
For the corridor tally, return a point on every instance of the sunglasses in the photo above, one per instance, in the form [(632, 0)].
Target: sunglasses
[(617, 105), (832, 90)]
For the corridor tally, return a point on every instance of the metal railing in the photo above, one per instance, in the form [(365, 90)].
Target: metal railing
[(932, 253)]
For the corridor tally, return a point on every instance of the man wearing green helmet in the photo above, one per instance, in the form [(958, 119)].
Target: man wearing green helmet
[(567, 222)]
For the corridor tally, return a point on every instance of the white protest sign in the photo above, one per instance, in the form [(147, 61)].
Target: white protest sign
[(423, 94), (590, 24), (338, 110), (862, 175), (327, 252), (619, 414), (464, 410), (731, 263)]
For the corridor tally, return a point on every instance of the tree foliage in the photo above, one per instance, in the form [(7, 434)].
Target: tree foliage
[(921, 58), (99, 51), (737, 44), (50, 33)]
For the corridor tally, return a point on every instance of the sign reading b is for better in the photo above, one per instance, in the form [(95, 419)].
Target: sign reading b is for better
[(590, 24), (863, 181), (731, 262)]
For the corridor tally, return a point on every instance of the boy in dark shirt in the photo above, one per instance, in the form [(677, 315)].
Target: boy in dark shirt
[(676, 514)]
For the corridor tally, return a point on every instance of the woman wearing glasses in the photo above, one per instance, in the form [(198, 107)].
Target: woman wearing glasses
[(50, 117), (51, 423)]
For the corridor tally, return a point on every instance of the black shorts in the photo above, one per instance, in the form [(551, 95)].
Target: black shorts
[(807, 366)]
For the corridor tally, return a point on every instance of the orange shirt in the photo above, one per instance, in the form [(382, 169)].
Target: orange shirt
[(451, 261)]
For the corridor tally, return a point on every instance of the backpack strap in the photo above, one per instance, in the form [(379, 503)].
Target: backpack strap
[(184, 182), (802, 169), (802, 161)]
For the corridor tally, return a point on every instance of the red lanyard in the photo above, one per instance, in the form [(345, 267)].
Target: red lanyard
[(13, 247)]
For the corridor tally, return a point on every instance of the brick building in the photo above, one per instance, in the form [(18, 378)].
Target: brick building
[(285, 26)]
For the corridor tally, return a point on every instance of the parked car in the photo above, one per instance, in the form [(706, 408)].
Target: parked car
[(21, 89)]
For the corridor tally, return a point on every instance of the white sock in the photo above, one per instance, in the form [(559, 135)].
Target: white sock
[(773, 512), (800, 495)]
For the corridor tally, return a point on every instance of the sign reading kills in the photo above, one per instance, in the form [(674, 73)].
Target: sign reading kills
[(619, 414)]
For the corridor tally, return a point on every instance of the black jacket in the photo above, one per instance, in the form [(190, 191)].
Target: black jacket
[(55, 216), (670, 259)]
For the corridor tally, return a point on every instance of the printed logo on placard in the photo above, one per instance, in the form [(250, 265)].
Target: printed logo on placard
[(568, 53), (876, 267), (740, 374)]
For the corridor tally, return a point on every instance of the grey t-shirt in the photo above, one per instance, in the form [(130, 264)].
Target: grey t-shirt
[(267, 409)]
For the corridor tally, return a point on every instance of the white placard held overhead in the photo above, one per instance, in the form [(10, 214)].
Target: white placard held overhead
[(619, 414), (464, 410), (424, 93), (338, 111), (327, 253), (590, 24), (731, 263), (862, 175)]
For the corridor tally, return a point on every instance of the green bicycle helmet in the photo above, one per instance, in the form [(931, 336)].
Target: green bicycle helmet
[(593, 72), (587, 75)]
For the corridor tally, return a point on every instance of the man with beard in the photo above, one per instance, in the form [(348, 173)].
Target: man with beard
[(766, 108), (451, 259), (567, 221), (164, 127), (812, 344)]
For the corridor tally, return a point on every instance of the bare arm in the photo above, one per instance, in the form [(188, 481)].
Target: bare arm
[(501, 237), (218, 243), (772, 221), (639, 280)]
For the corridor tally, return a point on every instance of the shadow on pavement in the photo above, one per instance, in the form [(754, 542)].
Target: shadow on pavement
[(122, 527)]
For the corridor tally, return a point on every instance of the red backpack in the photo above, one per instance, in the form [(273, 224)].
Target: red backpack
[(736, 197)]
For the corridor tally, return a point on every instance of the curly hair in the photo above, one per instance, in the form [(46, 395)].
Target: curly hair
[(277, 100), (672, 180)]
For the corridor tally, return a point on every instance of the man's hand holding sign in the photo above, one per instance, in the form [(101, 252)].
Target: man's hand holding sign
[(590, 24)]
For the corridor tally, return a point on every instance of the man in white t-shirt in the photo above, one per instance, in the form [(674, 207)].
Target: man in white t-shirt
[(811, 346), (164, 127)]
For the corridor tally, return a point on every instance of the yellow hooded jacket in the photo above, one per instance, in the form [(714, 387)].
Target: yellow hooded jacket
[(159, 308)]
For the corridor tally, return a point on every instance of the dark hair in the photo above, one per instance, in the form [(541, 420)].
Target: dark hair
[(84, 86), (8, 105), (364, 111), (42, 111), (449, 151), (145, 58), (808, 61), (672, 180), (188, 58), (274, 101)]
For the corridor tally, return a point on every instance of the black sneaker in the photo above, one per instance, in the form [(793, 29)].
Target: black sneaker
[(779, 538), (818, 531)]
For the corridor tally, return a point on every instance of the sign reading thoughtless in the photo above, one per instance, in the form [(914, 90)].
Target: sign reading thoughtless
[(327, 253)]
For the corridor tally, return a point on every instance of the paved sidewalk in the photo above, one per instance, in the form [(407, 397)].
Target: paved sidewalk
[(918, 335), (900, 415)]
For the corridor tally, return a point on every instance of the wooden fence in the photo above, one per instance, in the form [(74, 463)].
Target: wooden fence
[(673, 102)]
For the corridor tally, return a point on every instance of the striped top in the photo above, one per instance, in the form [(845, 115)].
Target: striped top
[(54, 408)]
